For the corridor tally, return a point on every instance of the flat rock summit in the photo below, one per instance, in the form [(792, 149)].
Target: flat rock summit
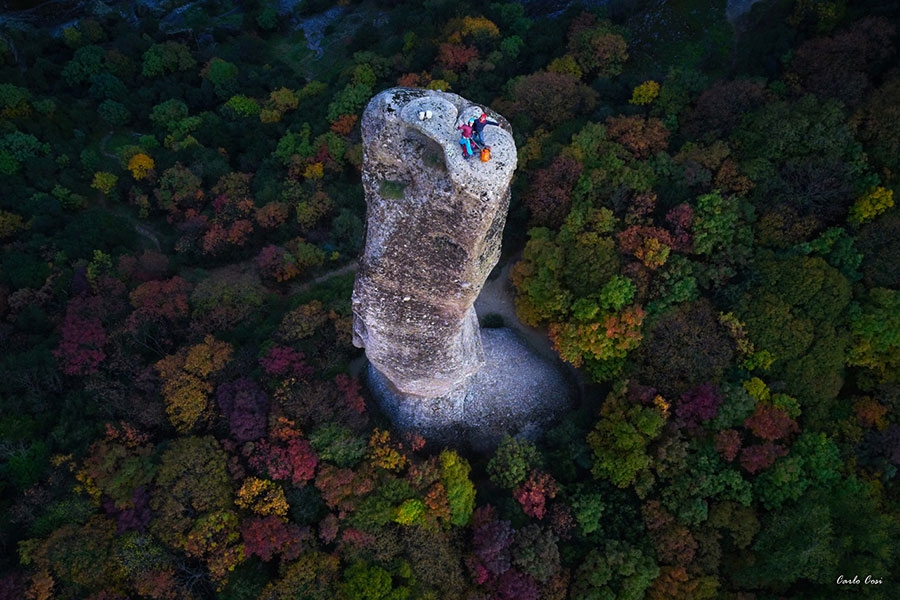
[(433, 229)]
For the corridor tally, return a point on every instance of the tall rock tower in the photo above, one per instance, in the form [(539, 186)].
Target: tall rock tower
[(433, 229)]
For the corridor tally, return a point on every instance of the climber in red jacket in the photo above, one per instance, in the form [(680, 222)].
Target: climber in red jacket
[(466, 139)]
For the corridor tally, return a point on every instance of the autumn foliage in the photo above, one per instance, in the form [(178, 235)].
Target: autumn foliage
[(83, 337), (140, 166), (702, 229), (187, 381)]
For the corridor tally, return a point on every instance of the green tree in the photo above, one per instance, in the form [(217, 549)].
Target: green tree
[(805, 163), (721, 228), (587, 508), (18, 148), (705, 477), (878, 125), (149, 566), (223, 75), (875, 331), (879, 244), (570, 279), (193, 504), (362, 582), (242, 106), (795, 543), (798, 311), (86, 62), (621, 437), (172, 116), (267, 19), (294, 144), (597, 46), (105, 182), (168, 113), (117, 465), (106, 86), (813, 460), (114, 113), (79, 557), (14, 101), (192, 479), (785, 130), (513, 460), (313, 575), (541, 295), (535, 552), (618, 570), (841, 529), (741, 522), (349, 100), (460, 490), (608, 166), (167, 57)]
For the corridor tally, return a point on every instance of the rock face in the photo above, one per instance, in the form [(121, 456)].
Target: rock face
[(434, 224), (516, 392), (433, 229)]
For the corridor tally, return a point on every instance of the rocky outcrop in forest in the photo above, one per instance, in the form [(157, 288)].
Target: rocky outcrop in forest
[(434, 224)]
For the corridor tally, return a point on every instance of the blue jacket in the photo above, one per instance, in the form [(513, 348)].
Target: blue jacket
[(479, 126)]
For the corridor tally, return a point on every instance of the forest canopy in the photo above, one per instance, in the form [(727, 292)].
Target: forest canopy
[(702, 225)]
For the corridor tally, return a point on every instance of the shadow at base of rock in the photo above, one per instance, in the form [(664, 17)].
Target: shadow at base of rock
[(517, 392)]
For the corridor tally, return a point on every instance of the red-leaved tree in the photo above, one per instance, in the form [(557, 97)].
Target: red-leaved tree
[(760, 456), (267, 536), (492, 541), (284, 455), (770, 423), (698, 405), (549, 196), (246, 408), (83, 337), (641, 136), (455, 57), (533, 493), (285, 363)]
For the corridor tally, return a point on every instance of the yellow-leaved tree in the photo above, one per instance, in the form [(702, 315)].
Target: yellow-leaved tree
[(140, 166), (186, 380)]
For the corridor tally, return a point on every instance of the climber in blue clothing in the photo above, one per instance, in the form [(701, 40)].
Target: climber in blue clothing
[(478, 128)]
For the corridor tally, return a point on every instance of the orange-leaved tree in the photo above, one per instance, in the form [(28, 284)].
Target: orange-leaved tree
[(187, 381)]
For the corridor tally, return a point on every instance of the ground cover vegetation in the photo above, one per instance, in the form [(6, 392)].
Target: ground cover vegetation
[(703, 222)]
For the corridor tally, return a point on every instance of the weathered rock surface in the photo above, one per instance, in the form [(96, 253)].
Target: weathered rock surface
[(516, 392), (433, 229), (434, 224)]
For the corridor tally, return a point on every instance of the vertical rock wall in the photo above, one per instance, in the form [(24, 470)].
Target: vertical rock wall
[(433, 229)]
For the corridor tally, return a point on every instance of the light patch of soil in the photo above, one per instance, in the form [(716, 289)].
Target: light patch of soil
[(498, 297)]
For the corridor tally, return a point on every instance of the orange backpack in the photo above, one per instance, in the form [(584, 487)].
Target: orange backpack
[(485, 154)]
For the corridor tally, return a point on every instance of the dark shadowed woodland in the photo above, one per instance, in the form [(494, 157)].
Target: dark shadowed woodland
[(703, 225)]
